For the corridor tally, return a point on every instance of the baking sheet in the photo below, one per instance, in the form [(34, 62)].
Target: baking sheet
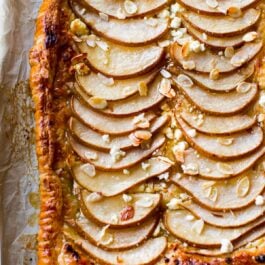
[(18, 165)]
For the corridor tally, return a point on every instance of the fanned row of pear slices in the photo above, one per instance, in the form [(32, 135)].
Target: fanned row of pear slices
[(146, 253), (132, 105), (138, 31), (201, 6), (199, 234), (232, 194)]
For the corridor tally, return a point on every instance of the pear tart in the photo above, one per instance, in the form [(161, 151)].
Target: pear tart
[(150, 132)]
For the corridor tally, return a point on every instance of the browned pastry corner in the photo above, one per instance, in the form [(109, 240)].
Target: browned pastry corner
[(150, 132)]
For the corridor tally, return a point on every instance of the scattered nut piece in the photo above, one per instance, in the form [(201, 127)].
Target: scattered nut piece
[(188, 65), (184, 80), (81, 69), (143, 89), (141, 122), (106, 138), (250, 36), (195, 46), (225, 168), (127, 198), (214, 74), (192, 133), (97, 103), (89, 170), (186, 50), (234, 12), (259, 200), (78, 27), (165, 88), (174, 204), (175, 22), (116, 154), (229, 52), (91, 40), (91, 155), (165, 73)]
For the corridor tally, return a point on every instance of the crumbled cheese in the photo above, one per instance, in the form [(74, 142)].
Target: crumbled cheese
[(175, 22), (106, 138), (164, 176), (175, 8), (164, 14), (116, 153), (259, 200), (145, 202), (195, 46), (192, 133), (130, 7), (226, 246), (91, 155)]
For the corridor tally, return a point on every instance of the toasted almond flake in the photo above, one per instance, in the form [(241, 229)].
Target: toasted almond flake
[(226, 246), (212, 3), (130, 7), (91, 156), (234, 12), (185, 50), (174, 204), (126, 172), (214, 74), (127, 198), (243, 87), (243, 187), (165, 88), (190, 217), (102, 45), (225, 141), (184, 80), (188, 65), (143, 135), (250, 36), (108, 81), (191, 169), (89, 170), (145, 203), (153, 22), (94, 197), (98, 103), (105, 237), (165, 73), (143, 89), (104, 16), (175, 22), (229, 52), (259, 200), (164, 43), (225, 168), (198, 226), (192, 133), (78, 27), (208, 184)]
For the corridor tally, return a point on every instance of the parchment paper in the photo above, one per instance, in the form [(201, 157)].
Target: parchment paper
[(18, 166)]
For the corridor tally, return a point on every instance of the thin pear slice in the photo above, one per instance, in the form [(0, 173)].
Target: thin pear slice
[(212, 41), (212, 169), (126, 214), (122, 61), (227, 219), (225, 82), (217, 124), (210, 236), (106, 161), (125, 31), (232, 194), (222, 103), (98, 86), (250, 236), (131, 105), (201, 6), (206, 61), (223, 25), (116, 8), (118, 181), (103, 123), (224, 147), (146, 253), (115, 239), (92, 138)]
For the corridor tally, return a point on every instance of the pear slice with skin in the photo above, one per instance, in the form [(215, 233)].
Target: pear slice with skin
[(224, 147), (250, 236), (206, 61), (215, 42), (130, 31), (227, 219), (225, 83), (223, 195), (92, 138), (212, 169), (217, 124), (147, 253), (105, 124), (202, 7), (97, 85), (115, 239), (218, 103), (210, 236), (122, 61), (116, 8), (126, 213), (119, 181), (223, 25), (105, 161), (131, 105)]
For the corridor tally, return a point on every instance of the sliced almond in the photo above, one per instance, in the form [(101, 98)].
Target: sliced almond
[(98, 103), (185, 80), (250, 36), (198, 226), (244, 87), (89, 170), (243, 187), (234, 12), (130, 7)]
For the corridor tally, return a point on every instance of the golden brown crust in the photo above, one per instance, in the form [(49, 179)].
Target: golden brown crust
[(43, 58)]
